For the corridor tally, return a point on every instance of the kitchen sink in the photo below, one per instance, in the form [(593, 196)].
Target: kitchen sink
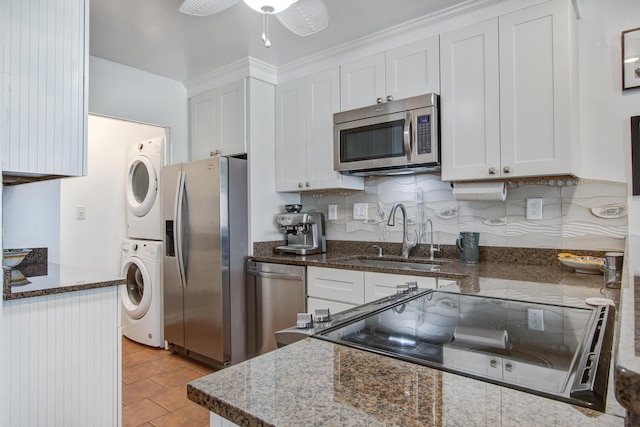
[(394, 263)]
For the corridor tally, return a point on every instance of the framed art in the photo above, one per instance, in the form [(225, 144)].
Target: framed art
[(635, 154), (631, 59)]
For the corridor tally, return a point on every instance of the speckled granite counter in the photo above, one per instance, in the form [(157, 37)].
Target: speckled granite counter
[(318, 383), (51, 278)]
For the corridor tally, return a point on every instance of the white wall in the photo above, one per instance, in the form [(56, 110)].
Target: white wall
[(31, 216), (604, 108), (119, 91), (95, 242)]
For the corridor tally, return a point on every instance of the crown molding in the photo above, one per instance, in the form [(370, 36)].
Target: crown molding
[(245, 67)]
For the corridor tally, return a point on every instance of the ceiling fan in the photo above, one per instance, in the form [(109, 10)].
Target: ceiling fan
[(301, 17)]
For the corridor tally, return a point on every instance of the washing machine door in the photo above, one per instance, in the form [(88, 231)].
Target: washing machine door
[(137, 292), (142, 185)]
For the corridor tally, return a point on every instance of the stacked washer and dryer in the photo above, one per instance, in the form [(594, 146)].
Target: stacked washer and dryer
[(142, 303)]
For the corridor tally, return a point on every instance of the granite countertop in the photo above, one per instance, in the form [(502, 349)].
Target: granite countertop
[(313, 382), (50, 278)]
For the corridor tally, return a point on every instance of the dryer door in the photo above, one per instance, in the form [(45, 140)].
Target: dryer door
[(142, 185), (137, 292)]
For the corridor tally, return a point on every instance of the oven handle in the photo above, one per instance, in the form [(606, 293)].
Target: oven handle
[(407, 135)]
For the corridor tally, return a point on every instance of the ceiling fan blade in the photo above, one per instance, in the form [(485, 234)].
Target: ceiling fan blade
[(305, 17), (205, 7)]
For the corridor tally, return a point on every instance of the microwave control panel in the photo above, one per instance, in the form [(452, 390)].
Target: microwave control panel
[(423, 134)]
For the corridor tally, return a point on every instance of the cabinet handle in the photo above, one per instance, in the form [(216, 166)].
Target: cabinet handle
[(379, 100), (493, 363), (389, 98), (506, 169), (307, 184), (508, 367), (492, 171), (299, 185)]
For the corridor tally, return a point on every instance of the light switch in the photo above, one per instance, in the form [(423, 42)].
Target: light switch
[(360, 211), (333, 212), (81, 212)]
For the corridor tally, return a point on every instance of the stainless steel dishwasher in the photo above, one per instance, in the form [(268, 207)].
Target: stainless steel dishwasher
[(276, 293)]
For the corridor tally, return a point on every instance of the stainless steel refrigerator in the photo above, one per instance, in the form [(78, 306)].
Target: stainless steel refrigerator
[(204, 209)]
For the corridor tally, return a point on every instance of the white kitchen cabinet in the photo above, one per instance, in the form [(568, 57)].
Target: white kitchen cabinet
[(218, 122), (508, 88), (378, 285), (398, 73), (44, 121), (304, 135), (334, 284), (334, 306)]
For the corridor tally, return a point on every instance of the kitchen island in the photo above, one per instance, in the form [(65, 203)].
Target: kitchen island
[(313, 382), (63, 340)]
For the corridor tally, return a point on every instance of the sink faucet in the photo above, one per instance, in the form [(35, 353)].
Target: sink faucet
[(406, 244), (432, 250)]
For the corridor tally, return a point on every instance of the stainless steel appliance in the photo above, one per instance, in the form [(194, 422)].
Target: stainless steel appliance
[(305, 232), (276, 293), (390, 138), (204, 209), (550, 350)]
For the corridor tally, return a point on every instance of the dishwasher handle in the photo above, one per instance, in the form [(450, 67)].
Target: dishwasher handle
[(268, 275)]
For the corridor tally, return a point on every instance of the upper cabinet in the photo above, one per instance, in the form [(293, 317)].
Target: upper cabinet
[(398, 73), (44, 90), (507, 107), (218, 122), (304, 135)]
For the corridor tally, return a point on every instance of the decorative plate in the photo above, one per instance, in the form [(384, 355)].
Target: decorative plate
[(610, 211), (585, 265)]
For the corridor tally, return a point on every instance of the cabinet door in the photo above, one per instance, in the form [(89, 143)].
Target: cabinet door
[(346, 286), (333, 306), (378, 285), (231, 118), (535, 88), (470, 107), (290, 136), (202, 122), (362, 82), (322, 101), (43, 125), (413, 69)]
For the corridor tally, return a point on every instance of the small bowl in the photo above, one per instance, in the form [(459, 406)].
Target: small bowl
[(293, 208), (13, 257)]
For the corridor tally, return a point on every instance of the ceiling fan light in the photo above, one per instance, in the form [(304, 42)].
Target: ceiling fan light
[(269, 6)]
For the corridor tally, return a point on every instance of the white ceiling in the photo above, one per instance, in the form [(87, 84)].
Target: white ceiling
[(153, 36)]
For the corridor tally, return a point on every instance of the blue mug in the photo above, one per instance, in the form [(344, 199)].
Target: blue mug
[(469, 245)]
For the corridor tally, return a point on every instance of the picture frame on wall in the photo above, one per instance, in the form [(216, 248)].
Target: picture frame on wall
[(635, 154), (631, 59)]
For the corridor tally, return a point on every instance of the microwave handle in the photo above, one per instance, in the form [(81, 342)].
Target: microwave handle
[(407, 135)]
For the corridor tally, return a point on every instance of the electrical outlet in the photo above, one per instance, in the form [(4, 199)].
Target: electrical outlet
[(535, 319), (360, 211), (534, 208)]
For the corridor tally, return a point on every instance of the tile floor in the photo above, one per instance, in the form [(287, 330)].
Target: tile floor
[(154, 388)]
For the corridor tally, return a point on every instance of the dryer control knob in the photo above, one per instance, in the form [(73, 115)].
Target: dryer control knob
[(140, 146), (135, 246)]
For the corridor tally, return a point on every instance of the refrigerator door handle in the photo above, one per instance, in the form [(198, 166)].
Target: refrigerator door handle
[(178, 241)]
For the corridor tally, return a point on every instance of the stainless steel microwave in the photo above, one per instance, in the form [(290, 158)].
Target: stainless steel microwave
[(392, 138)]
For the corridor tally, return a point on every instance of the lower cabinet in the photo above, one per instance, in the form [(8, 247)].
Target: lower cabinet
[(339, 290), (378, 285)]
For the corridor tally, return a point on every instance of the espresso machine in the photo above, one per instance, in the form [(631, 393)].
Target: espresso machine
[(305, 231)]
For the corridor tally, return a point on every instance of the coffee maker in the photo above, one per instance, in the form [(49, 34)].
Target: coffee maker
[(305, 231)]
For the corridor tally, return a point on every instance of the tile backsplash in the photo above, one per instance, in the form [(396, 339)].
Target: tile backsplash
[(577, 214)]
